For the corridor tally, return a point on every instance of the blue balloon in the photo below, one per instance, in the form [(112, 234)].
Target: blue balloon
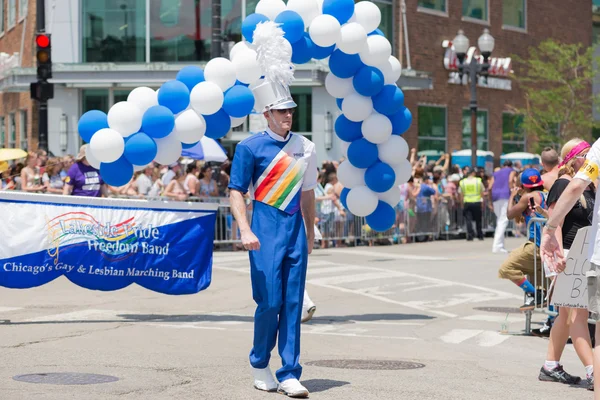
[(158, 122), (368, 81), (302, 50), (342, 10), (320, 53), (347, 130), (188, 146), (249, 25), (383, 218), (389, 101), (239, 101), (190, 76), (377, 32), (401, 121), (218, 124), (362, 153), (380, 177), (140, 149), (344, 196), (174, 95), (117, 173), (344, 65), (292, 25), (90, 123), (238, 83), (339, 103)]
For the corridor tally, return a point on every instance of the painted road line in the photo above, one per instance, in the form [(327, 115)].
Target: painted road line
[(492, 318), (491, 339), (9, 309), (395, 256), (333, 270), (82, 315), (337, 280), (456, 336)]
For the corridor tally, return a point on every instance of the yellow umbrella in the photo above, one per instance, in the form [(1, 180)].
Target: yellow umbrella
[(12, 154), (3, 166)]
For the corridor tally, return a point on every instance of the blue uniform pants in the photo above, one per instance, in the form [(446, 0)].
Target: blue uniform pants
[(278, 274)]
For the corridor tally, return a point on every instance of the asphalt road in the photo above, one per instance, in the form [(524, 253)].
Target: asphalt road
[(378, 308)]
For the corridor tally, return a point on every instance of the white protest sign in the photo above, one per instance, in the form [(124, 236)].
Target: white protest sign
[(570, 289)]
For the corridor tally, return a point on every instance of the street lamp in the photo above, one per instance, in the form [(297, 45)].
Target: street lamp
[(473, 69)]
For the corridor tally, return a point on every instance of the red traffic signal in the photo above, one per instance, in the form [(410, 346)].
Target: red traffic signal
[(42, 41)]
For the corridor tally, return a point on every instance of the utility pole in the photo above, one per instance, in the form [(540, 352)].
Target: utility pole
[(216, 37), (42, 90)]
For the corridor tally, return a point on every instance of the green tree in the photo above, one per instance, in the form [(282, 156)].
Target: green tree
[(557, 81)]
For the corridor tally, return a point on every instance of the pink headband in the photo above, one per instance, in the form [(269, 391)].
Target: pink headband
[(576, 150)]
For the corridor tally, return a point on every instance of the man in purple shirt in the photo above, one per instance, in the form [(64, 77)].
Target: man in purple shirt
[(83, 179), (501, 184)]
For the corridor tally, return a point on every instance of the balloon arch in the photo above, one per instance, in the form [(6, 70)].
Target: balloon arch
[(157, 125)]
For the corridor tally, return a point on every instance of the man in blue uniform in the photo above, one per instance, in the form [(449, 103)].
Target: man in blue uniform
[(279, 170)]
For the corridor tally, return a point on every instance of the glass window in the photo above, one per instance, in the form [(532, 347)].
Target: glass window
[(482, 130), (94, 99), (181, 30), (22, 8), (23, 129), (12, 13), (432, 128), (596, 34), (513, 136), (12, 131), (2, 132), (513, 13), (302, 121), (114, 30), (121, 95), (477, 9), (387, 20), (437, 5), (2, 2)]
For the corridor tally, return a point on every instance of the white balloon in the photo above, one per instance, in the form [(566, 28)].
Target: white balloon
[(403, 172), (270, 8), (288, 50), (391, 70), (125, 118), (235, 122), (189, 127), (238, 48), (338, 87), (350, 176), (206, 98), (169, 150), (325, 30), (357, 108), (353, 38), (344, 146), (107, 145), (394, 151), (137, 168), (377, 51), (308, 9), (91, 159), (143, 97), (246, 66), (368, 15), (362, 201), (377, 128), (220, 71), (392, 196)]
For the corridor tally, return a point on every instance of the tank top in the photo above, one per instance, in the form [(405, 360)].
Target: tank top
[(501, 187), (535, 229)]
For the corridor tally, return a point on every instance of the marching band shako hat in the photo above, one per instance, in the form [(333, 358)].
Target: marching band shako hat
[(274, 57)]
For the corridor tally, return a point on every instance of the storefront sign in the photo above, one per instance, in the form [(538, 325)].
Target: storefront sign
[(499, 68)]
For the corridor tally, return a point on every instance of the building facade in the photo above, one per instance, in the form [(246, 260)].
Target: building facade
[(102, 49)]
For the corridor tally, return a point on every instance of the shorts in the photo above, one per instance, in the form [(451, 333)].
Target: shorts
[(593, 279), (520, 263)]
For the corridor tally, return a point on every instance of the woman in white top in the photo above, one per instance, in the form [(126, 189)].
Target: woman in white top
[(30, 175), (191, 182)]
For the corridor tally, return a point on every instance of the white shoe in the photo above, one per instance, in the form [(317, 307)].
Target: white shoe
[(293, 388), (500, 251), (263, 379), (307, 314)]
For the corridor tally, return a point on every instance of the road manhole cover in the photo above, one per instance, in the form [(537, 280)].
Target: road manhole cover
[(67, 378), (503, 310), (366, 364)]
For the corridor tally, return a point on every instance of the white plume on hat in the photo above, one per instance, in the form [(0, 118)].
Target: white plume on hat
[(274, 55)]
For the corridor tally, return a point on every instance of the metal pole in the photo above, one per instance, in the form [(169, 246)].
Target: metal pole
[(43, 109), (215, 47), (473, 67)]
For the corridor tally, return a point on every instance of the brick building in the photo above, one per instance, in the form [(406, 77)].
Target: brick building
[(17, 113), (441, 114)]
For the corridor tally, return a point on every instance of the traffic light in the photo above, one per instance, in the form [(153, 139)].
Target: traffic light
[(43, 56)]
